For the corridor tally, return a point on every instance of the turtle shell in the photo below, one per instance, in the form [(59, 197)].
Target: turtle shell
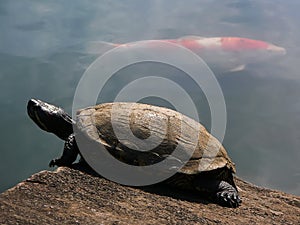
[(166, 129)]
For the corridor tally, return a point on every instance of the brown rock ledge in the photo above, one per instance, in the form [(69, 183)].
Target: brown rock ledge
[(70, 196)]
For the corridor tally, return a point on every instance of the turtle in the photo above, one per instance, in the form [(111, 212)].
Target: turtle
[(214, 181)]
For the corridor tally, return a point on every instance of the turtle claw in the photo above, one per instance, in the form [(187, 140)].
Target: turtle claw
[(56, 162), (229, 199), (53, 163)]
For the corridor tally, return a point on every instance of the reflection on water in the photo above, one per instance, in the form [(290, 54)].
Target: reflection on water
[(41, 55)]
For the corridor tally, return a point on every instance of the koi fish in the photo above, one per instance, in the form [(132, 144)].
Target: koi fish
[(222, 54), (230, 53)]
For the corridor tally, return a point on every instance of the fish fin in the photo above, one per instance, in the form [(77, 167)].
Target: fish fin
[(238, 68), (191, 37)]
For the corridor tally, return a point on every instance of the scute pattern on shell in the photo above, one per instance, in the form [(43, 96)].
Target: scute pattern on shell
[(162, 124)]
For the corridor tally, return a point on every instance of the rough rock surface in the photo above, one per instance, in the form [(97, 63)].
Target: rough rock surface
[(71, 196)]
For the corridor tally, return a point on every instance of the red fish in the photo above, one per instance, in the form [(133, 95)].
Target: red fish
[(221, 53), (230, 53), (225, 44)]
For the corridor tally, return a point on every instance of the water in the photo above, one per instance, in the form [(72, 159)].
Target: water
[(41, 56)]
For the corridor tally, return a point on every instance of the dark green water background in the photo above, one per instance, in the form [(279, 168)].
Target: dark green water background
[(38, 59)]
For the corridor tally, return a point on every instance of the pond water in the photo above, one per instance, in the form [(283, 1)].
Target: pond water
[(45, 47)]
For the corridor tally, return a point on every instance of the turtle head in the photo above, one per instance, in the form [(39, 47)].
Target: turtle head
[(50, 118)]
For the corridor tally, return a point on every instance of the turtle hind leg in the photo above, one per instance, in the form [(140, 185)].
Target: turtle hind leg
[(227, 195), (69, 154), (220, 191)]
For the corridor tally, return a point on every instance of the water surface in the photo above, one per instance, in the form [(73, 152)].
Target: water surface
[(41, 57)]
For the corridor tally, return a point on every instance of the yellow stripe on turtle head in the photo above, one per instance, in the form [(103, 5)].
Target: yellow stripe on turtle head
[(40, 122)]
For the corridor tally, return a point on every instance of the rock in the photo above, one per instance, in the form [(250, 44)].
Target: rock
[(71, 196)]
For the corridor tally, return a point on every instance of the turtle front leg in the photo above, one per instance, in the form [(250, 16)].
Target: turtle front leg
[(69, 154), (221, 191)]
